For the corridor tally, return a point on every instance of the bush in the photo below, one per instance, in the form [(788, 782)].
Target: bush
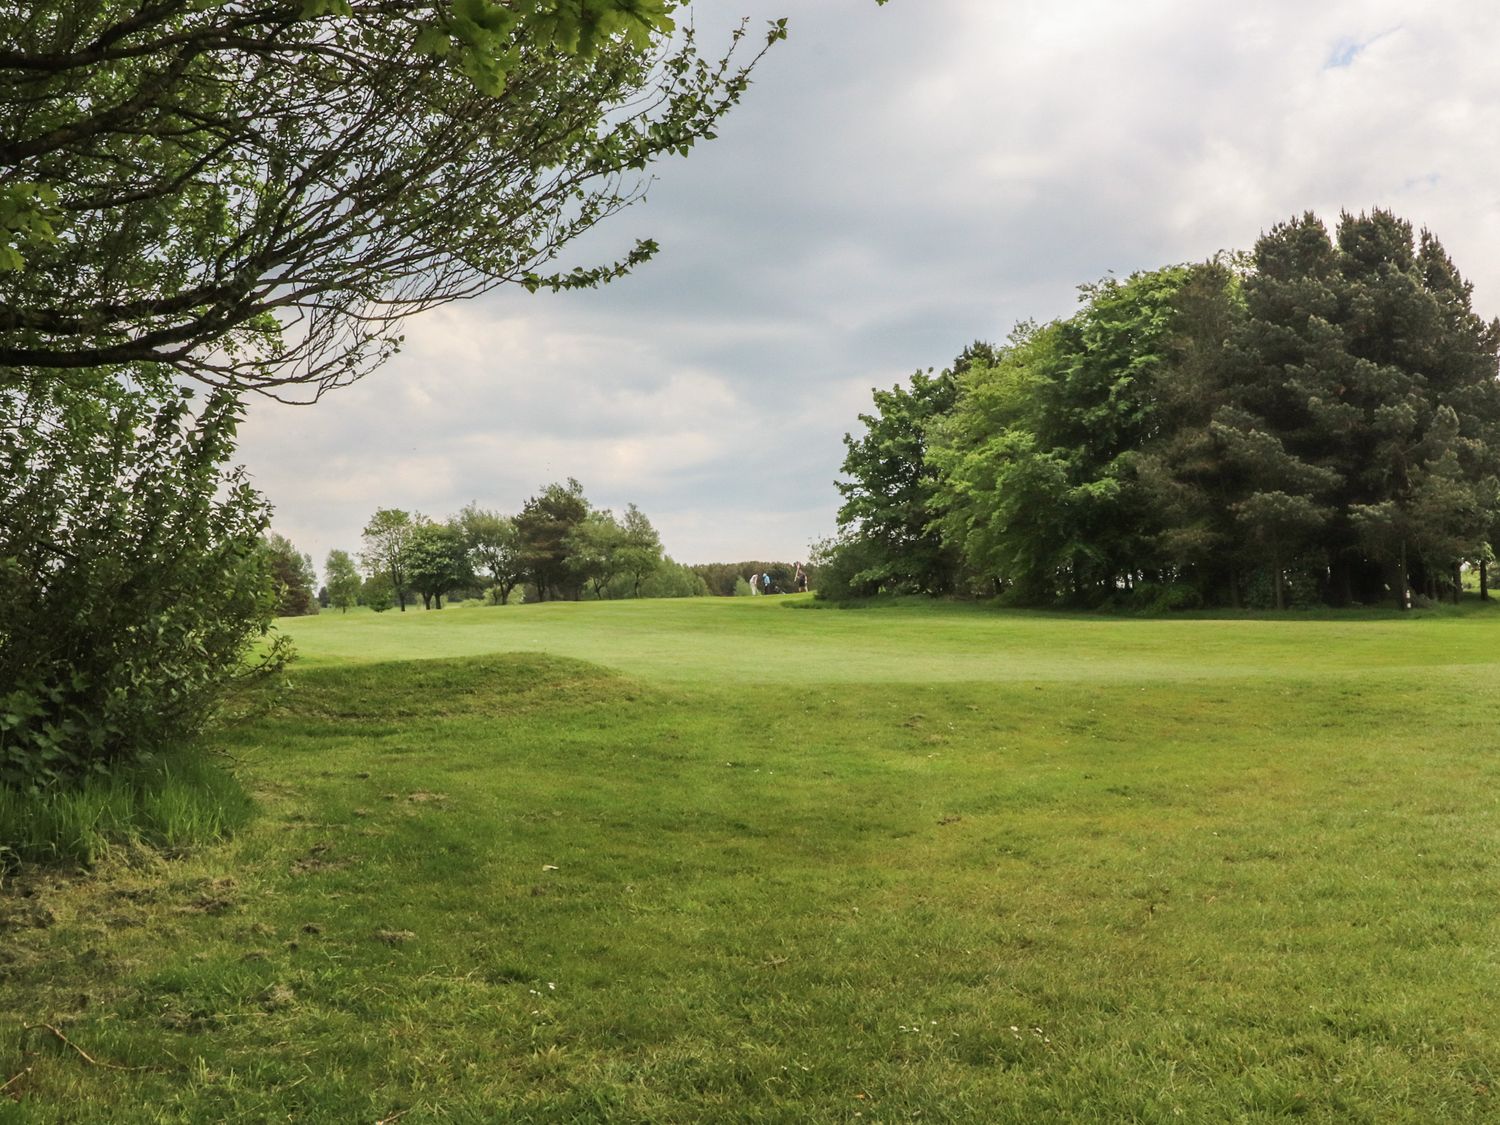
[(673, 580), (846, 567), (1170, 597), (132, 577), (378, 593)]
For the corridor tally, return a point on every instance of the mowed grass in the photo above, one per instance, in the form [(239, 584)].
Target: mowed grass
[(731, 861)]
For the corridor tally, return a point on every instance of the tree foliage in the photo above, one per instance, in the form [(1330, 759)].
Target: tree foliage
[(1317, 419), (494, 548), (294, 576), (133, 575), (341, 577), (545, 526), (437, 560), (387, 550), (258, 193)]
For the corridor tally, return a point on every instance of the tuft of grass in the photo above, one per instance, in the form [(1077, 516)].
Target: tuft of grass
[(176, 802)]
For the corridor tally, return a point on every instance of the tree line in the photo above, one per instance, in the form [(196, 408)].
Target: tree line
[(559, 546), (1314, 422)]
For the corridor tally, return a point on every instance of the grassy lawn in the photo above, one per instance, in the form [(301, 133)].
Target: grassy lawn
[(730, 860)]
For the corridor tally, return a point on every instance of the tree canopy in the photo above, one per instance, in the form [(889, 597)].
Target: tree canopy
[(1316, 421), (258, 193)]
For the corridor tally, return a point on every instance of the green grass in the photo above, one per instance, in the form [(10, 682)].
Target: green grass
[(173, 803), (723, 860)]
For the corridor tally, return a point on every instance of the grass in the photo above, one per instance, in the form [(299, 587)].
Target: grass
[(724, 861), (173, 803)]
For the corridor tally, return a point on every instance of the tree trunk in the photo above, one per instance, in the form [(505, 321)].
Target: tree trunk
[(1402, 601), (1484, 580), (1458, 582)]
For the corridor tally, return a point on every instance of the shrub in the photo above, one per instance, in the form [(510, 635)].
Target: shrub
[(1170, 597), (673, 580), (132, 577), (846, 567)]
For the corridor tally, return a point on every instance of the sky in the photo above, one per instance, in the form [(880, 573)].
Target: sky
[(898, 182)]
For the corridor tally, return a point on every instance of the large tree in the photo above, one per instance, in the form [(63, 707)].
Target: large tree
[(294, 575), (437, 560), (257, 193), (890, 488), (494, 548)]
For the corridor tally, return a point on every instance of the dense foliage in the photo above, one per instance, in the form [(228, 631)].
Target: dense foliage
[(258, 193), (1316, 421), (133, 575)]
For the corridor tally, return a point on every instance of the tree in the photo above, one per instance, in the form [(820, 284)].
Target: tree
[(342, 579), (257, 194), (294, 576), (889, 496), (1036, 460), (543, 526), (639, 552), (387, 539), (593, 551), (494, 548), (132, 572), (436, 560)]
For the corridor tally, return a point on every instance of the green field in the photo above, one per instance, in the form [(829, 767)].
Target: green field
[(746, 860)]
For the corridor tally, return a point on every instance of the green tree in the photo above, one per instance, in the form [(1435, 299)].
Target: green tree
[(257, 194), (437, 560), (342, 579), (544, 525), (891, 490), (639, 552), (293, 573), (673, 580), (387, 545), (1036, 459), (494, 548), (593, 549), (377, 592)]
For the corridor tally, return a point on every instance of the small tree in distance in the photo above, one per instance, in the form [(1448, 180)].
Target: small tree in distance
[(387, 539), (342, 579)]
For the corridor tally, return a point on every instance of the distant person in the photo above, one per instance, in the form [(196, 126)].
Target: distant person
[(765, 583), (754, 585), (799, 580)]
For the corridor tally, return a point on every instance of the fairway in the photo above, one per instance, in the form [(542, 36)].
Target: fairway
[(749, 860), (793, 639)]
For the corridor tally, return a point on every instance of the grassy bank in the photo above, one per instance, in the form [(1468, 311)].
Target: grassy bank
[(727, 861)]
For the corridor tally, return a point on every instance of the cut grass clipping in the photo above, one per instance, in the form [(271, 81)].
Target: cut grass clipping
[(727, 862)]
